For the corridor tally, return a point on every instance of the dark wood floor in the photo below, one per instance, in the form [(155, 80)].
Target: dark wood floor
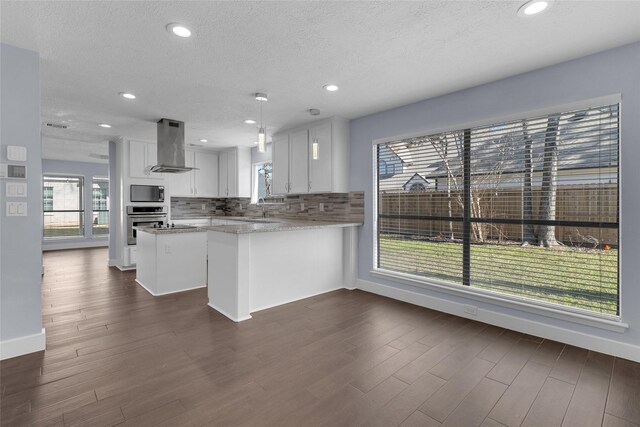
[(117, 356)]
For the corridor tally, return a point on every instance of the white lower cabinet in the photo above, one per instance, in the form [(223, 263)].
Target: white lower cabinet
[(171, 262)]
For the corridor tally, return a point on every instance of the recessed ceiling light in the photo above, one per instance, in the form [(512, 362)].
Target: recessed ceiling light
[(331, 87), (533, 7), (104, 125), (179, 30), (255, 143), (250, 122), (127, 95), (204, 140)]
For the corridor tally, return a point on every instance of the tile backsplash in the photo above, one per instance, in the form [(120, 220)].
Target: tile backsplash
[(348, 207)]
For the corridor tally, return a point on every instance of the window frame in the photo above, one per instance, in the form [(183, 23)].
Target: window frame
[(254, 179), (106, 235), (82, 211), (583, 316)]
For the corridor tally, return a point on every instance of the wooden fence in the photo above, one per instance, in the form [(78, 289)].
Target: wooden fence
[(584, 203)]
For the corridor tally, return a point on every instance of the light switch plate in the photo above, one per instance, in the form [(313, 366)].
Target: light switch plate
[(16, 153), (16, 189), (16, 209)]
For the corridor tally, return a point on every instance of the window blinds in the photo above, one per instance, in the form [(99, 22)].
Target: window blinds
[(526, 208)]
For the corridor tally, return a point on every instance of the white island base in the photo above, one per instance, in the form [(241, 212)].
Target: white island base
[(249, 272), (171, 262)]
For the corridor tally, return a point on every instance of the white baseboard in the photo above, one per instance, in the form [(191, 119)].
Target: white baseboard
[(23, 345), (224, 313), (253, 310), (126, 267), (56, 246), (113, 262), (556, 333), (169, 293)]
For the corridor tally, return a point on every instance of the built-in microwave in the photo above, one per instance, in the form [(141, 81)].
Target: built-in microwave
[(147, 193)]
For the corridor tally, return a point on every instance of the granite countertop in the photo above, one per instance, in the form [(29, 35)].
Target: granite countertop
[(246, 225)]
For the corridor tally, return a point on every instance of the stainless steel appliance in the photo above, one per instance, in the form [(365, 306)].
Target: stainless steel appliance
[(170, 147), (147, 193), (144, 216)]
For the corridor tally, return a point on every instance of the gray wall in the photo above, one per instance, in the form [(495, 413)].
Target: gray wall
[(87, 171), (20, 241), (610, 72)]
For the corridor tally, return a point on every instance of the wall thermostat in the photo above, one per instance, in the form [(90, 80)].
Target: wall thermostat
[(13, 171)]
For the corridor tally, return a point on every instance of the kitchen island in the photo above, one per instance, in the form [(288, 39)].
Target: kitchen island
[(255, 266), (258, 264), (171, 259)]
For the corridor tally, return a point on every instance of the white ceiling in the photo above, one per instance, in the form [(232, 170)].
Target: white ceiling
[(382, 54)]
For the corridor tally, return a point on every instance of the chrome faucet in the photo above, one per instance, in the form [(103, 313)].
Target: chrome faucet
[(261, 202)]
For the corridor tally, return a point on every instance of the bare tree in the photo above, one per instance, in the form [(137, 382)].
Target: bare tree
[(547, 233), (483, 183), (528, 236)]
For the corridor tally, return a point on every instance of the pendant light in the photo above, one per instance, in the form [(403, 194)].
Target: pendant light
[(262, 132)]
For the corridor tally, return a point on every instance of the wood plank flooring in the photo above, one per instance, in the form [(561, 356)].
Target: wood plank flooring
[(118, 356)]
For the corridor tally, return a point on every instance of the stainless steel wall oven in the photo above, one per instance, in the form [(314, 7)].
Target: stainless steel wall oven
[(144, 216)]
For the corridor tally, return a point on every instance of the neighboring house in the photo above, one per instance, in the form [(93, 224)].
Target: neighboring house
[(416, 184)]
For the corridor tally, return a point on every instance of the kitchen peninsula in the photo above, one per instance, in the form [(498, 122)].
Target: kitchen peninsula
[(252, 264)]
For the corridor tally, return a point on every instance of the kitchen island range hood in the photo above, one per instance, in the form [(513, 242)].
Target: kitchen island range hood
[(170, 147)]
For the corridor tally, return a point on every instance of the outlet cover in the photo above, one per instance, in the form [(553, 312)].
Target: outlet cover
[(471, 309)]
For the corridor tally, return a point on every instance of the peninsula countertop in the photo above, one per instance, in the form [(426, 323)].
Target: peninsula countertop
[(250, 225)]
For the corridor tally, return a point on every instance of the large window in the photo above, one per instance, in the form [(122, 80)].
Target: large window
[(63, 206), (525, 208), (100, 198)]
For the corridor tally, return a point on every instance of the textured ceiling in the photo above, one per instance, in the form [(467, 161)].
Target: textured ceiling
[(382, 54)]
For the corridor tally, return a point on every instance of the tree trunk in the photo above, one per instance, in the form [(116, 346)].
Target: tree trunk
[(547, 233), (528, 237)]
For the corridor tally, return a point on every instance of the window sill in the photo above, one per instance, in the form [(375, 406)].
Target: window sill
[(609, 323)]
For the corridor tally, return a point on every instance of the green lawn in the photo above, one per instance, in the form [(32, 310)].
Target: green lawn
[(74, 231), (582, 278)]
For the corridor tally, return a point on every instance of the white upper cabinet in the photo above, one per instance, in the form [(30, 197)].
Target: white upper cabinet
[(206, 174), (298, 162), (235, 172), (201, 182), (312, 159), (143, 155), (280, 173), (320, 158), (182, 184)]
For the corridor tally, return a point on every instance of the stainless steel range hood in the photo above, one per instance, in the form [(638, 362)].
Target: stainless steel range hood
[(170, 147)]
